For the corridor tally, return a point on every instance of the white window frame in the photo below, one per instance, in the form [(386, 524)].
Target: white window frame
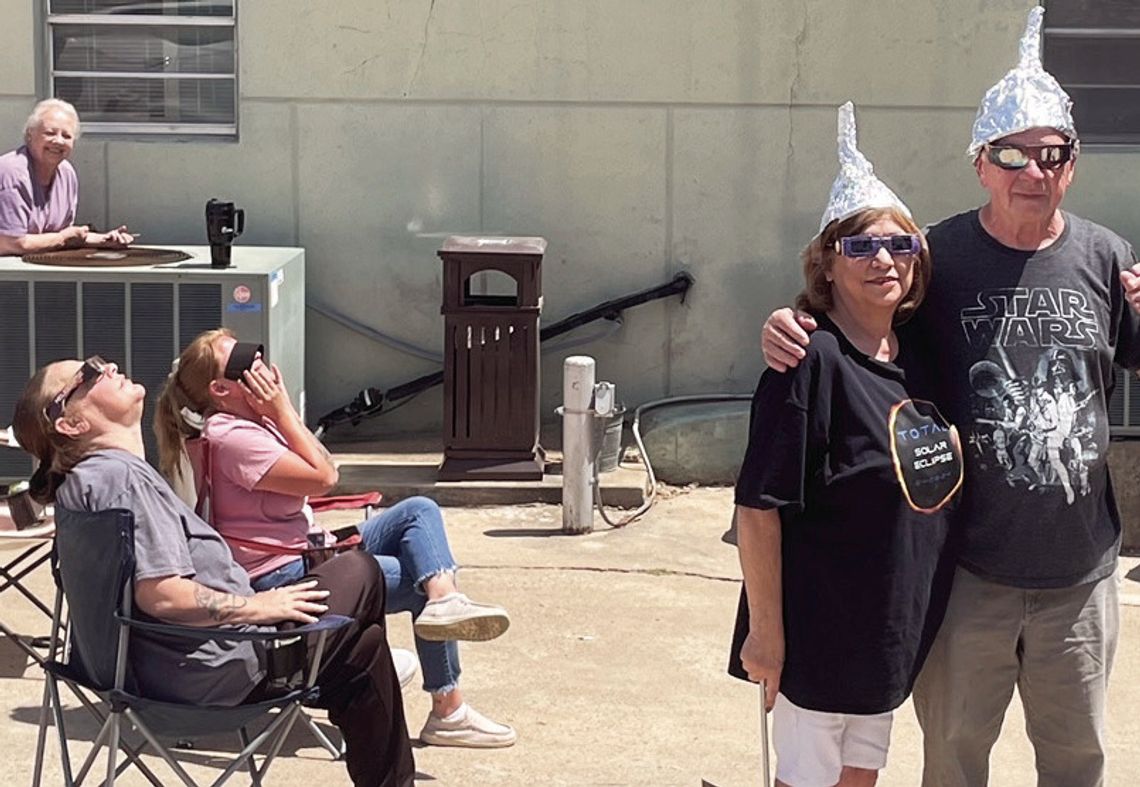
[(1131, 137), (147, 20)]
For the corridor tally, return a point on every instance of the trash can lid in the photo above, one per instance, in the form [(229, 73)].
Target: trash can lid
[(494, 244)]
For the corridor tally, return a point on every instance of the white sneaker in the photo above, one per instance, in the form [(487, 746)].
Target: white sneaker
[(406, 665), (471, 729), (457, 617)]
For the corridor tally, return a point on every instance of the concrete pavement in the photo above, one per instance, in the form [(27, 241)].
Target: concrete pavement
[(612, 671)]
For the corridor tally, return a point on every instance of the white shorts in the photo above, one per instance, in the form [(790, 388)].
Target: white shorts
[(812, 747)]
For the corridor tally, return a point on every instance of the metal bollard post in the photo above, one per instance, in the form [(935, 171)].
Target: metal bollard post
[(577, 456)]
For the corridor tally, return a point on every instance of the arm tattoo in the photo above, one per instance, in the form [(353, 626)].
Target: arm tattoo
[(219, 606)]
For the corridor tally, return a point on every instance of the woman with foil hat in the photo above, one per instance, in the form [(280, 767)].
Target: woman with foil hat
[(841, 497), (1035, 599), (82, 420), (255, 462)]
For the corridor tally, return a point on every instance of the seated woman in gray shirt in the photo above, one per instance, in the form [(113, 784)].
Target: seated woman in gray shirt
[(82, 421)]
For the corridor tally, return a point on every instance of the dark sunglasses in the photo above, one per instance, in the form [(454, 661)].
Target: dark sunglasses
[(856, 246), (1018, 156), (91, 370), (241, 359)]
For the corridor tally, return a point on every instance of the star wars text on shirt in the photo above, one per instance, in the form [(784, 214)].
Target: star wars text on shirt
[(1033, 421)]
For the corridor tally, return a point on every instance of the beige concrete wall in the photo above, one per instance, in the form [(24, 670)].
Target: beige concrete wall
[(640, 137), (18, 50), (17, 67)]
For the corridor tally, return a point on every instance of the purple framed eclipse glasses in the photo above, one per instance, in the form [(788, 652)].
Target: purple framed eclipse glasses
[(92, 369), (858, 246)]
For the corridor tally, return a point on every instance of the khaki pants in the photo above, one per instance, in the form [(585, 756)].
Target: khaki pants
[(1056, 646)]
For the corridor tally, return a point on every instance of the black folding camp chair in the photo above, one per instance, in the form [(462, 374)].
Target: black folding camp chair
[(93, 562)]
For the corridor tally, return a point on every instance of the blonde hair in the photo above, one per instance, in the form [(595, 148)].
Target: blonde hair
[(56, 453), (819, 255), (187, 387)]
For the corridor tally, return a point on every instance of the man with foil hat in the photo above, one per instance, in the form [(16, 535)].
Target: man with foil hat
[(1027, 312)]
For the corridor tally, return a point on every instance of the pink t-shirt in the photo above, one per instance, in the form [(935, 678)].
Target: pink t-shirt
[(241, 453)]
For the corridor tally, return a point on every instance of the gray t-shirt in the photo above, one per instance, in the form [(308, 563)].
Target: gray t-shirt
[(1019, 349), (170, 540), (25, 207)]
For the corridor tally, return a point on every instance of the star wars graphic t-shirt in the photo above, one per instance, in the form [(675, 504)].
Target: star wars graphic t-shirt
[(860, 473), (1018, 348)]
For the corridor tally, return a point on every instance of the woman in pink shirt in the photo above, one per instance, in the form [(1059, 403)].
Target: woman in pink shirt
[(257, 462)]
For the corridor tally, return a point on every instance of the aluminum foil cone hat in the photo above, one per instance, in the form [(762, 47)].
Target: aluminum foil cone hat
[(1027, 97), (856, 186)]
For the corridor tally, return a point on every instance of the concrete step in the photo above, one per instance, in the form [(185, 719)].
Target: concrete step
[(406, 466)]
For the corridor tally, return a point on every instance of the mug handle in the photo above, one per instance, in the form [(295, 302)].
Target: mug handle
[(239, 221)]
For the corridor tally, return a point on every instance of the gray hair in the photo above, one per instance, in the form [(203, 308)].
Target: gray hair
[(35, 120)]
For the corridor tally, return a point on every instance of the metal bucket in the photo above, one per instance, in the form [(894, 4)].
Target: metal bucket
[(607, 439)]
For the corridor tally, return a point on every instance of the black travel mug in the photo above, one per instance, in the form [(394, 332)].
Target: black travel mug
[(224, 223)]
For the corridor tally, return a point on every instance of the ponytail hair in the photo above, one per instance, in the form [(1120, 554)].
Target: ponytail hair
[(55, 453), (185, 400)]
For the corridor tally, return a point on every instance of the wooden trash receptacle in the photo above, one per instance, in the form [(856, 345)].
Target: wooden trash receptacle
[(491, 361)]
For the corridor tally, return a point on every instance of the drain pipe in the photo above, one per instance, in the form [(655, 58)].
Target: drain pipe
[(577, 452)]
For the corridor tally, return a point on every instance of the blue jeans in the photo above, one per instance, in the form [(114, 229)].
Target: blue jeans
[(409, 542)]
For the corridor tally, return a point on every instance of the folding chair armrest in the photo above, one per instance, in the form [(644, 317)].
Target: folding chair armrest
[(329, 622), (209, 633)]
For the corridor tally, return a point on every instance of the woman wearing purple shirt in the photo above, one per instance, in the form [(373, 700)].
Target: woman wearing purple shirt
[(39, 190)]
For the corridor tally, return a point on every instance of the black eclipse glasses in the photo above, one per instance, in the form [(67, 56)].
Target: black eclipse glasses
[(91, 370), (1014, 157), (858, 246), (241, 359)]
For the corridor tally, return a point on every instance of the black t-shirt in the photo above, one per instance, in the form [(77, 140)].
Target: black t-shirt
[(864, 580), (1018, 349)]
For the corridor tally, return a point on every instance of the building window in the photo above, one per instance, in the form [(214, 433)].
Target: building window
[(1093, 48), (146, 66)]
